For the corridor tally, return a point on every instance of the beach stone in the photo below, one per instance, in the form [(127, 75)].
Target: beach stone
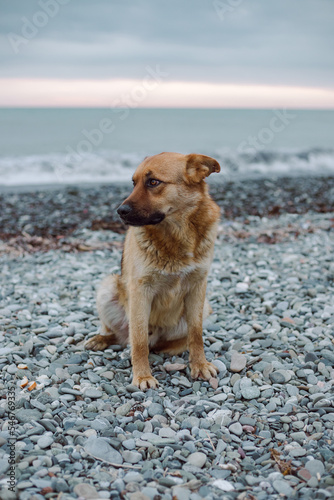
[(100, 449), (282, 487), (236, 428), (155, 409), (166, 432), (244, 329), (283, 306), (238, 362), (223, 485), (197, 459), (298, 436), (26, 415), (93, 377), (150, 492), (304, 474), (93, 393), (7, 494), (174, 367), (213, 382), (110, 375), (133, 457), (85, 491), (59, 485), (124, 409), (4, 466), (133, 477), (216, 346), (129, 444), (181, 493), (137, 495), (45, 441), (241, 288), (220, 365), (315, 467), (251, 392), (295, 450), (277, 377), (311, 356)]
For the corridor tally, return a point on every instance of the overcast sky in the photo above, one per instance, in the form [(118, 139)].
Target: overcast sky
[(255, 52)]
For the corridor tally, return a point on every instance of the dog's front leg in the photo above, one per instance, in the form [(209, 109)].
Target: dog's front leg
[(140, 308), (194, 304)]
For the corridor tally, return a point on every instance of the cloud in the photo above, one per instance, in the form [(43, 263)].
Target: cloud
[(286, 43)]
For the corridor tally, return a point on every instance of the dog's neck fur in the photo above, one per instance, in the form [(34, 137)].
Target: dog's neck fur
[(168, 246)]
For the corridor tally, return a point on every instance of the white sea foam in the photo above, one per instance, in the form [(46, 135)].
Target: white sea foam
[(114, 167)]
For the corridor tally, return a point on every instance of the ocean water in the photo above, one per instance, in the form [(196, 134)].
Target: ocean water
[(70, 146)]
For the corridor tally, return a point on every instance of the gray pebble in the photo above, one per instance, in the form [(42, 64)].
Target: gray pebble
[(45, 441), (252, 392), (100, 449), (197, 459)]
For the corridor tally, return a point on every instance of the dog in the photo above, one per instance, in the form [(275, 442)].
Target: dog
[(158, 301)]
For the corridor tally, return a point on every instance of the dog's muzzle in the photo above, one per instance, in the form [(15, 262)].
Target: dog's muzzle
[(124, 210), (133, 218)]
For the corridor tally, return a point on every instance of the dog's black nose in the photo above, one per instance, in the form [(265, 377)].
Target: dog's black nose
[(124, 210)]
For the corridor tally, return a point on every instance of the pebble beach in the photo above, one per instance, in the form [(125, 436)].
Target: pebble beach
[(264, 429)]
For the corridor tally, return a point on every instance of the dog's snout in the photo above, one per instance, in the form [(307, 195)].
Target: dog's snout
[(124, 210)]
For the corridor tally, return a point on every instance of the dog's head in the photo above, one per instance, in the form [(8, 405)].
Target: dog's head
[(165, 184)]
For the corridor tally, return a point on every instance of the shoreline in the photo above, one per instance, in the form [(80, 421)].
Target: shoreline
[(58, 211), (220, 180)]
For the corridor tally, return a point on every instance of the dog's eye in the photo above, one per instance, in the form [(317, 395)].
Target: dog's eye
[(153, 182)]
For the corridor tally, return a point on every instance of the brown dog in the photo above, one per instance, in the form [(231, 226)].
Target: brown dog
[(158, 301)]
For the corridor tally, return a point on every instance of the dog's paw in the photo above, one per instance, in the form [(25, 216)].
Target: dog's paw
[(148, 382), (203, 369), (97, 343)]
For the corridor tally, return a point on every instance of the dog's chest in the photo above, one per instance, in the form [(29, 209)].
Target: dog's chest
[(175, 283)]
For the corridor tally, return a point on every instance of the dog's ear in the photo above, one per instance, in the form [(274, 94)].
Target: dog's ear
[(200, 166)]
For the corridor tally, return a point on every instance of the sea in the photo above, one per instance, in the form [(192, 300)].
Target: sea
[(49, 146)]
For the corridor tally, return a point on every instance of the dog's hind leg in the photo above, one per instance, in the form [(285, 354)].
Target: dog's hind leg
[(101, 342), (114, 322)]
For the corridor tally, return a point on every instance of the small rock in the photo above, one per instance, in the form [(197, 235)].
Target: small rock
[(45, 441), (100, 449), (133, 477), (26, 415), (124, 409), (223, 485), (304, 474), (174, 367), (282, 487), (277, 377), (213, 382), (241, 288), (198, 459), (166, 432), (132, 457), (4, 466), (93, 393), (238, 362), (315, 467), (236, 428), (155, 409), (129, 444), (251, 392), (86, 491)]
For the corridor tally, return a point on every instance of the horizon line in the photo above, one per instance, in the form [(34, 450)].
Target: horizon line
[(251, 108), (155, 92)]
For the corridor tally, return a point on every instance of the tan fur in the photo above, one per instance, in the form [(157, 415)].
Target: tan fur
[(158, 302)]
